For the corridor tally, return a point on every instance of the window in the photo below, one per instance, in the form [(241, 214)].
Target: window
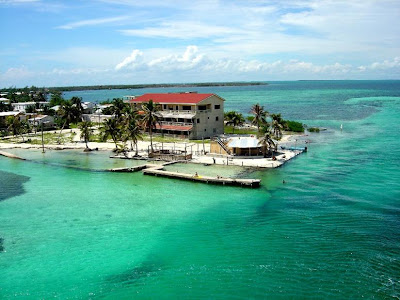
[(186, 107), (198, 120), (205, 129), (216, 118), (177, 107), (217, 106), (202, 107), (214, 130), (165, 106)]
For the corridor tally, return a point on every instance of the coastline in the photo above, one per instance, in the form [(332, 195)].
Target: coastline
[(198, 157)]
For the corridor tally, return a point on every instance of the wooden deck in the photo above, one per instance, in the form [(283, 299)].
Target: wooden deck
[(204, 179)]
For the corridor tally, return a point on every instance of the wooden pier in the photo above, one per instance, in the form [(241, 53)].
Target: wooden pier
[(205, 179), (157, 170), (129, 169), (9, 155)]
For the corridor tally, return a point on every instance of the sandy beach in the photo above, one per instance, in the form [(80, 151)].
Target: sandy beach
[(200, 152)]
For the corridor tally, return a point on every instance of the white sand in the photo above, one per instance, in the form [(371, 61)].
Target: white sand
[(197, 150)]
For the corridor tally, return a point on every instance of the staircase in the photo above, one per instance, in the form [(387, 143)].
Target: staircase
[(222, 145)]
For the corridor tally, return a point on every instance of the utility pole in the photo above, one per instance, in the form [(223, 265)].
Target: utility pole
[(42, 139)]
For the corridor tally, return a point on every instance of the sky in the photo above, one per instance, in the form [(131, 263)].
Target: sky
[(64, 43)]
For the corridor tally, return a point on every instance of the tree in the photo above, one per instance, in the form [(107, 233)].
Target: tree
[(56, 98), (77, 102), (131, 128), (133, 132), (267, 143), (86, 131), (16, 126), (151, 118), (112, 128), (68, 114), (30, 109), (277, 125), (260, 115), (5, 107), (118, 107), (234, 118)]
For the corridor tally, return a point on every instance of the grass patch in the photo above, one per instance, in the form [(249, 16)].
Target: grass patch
[(229, 130)]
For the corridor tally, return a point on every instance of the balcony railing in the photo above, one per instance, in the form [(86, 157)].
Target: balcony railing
[(176, 123), (177, 112), (184, 112)]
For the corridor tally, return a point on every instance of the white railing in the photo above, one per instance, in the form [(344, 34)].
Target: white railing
[(177, 112), (175, 123)]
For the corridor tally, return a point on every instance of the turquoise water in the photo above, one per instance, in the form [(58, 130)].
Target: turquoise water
[(331, 231), (95, 160)]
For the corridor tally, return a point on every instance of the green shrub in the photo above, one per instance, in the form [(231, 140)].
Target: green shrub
[(313, 129), (294, 126)]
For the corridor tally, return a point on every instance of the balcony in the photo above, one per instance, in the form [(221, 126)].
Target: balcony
[(176, 123), (184, 114), (175, 126)]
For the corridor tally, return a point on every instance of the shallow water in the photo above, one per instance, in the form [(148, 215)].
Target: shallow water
[(332, 230), (95, 160)]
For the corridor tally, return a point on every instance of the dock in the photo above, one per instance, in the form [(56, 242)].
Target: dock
[(9, 155), (157, 170), (253, 183), (136, 168), (129, 169)]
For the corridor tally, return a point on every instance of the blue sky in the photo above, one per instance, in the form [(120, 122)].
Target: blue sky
[(61, 43)]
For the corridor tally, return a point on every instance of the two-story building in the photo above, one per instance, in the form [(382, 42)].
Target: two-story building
[(22, 106), (188, 114)]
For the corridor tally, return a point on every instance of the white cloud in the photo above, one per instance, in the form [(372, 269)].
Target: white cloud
[(131, 60), (191, 65), (92, 22), (387, 64), (182, 30), (192, 60), (361, 28)]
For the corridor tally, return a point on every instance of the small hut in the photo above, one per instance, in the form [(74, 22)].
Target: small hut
[(245, 146)]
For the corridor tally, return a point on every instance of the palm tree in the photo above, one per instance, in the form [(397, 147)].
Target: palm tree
[(277, 125), (130, 113), (77, 102), (234, 118), (133, 132), (260, 115), (118, 107), (86, 131), (112, 128), (151, 118), (267, 143), (131, 128), (67, 113)]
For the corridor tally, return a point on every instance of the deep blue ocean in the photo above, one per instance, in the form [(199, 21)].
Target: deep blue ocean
[(331, 231)]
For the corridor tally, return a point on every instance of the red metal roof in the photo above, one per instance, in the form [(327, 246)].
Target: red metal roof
[(175, 127), (184, 98)]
